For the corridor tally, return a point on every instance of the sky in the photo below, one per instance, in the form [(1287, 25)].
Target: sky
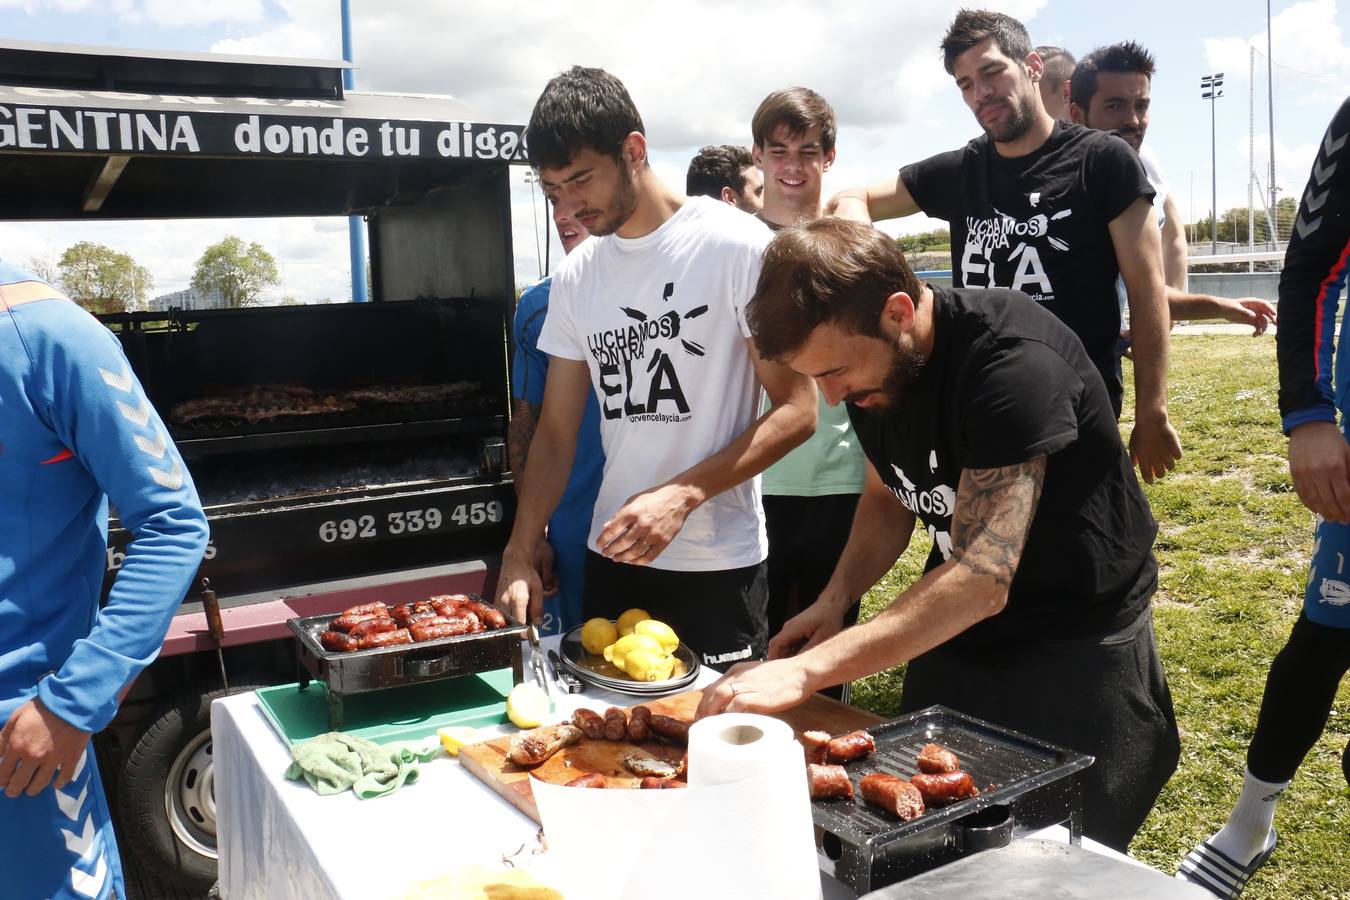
[(697, 69)]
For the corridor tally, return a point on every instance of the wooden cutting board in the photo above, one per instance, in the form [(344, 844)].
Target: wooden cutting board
[(488, 762)]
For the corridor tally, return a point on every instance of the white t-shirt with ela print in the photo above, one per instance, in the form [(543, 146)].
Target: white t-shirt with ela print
[(660, 321)]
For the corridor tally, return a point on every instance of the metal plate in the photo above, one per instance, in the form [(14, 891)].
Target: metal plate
[(596, 670)]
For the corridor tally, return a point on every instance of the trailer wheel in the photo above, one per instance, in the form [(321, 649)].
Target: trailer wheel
[(165, 792)]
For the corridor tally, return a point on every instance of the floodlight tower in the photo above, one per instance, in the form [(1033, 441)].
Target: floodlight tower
[(1210, 90)]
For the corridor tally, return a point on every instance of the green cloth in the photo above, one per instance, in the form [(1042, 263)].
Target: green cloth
[(335, 762), (829, 462)]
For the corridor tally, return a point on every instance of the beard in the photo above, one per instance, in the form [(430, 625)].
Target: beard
[(1020, 117), (620, 208), (907, 364)]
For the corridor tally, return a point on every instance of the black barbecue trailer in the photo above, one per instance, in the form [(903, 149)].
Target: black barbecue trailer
[(313, 509)]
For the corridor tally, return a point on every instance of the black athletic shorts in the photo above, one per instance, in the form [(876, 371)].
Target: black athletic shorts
[(719, 615), (806, 537)]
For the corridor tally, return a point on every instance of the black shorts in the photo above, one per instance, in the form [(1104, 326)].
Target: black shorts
[(1105, 696), (719, 615), (806, 537)]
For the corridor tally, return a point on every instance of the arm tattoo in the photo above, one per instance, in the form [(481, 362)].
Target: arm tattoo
[(994, 509), (524, 420)]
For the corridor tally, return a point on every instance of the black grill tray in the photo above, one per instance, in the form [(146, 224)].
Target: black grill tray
[(358, 671), (1034, 783)]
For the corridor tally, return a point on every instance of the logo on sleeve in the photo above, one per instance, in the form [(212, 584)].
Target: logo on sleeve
[(640, 361)]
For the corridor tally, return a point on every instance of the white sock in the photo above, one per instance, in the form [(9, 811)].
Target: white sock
[(1247, 832)]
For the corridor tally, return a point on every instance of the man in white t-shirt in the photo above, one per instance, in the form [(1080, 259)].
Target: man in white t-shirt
[(650, 314), (1109, 91)]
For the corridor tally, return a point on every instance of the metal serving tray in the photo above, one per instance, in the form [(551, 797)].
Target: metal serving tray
[(359, 671), (1026, 784), (593, 669)]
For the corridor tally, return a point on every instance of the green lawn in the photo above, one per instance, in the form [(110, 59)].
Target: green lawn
[(1233, 548)]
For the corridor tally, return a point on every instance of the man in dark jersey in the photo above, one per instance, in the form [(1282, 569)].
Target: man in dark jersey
[(1050, 209), (981, 417), (1304, 677)]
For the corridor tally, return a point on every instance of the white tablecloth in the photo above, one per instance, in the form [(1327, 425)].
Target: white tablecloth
[(278, 838)]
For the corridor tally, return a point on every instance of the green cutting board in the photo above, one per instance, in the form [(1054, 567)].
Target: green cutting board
[(407, 713)]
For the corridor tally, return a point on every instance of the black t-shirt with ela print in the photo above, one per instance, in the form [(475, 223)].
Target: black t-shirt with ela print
[(1038, 224), (1006, 383)]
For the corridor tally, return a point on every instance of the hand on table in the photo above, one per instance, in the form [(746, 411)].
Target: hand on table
[(759, 687), (645, 525), (36, 745), (818, 622)]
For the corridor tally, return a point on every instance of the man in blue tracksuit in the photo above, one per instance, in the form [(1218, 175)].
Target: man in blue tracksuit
[(1314, 359), (76, 431), (571, 522)]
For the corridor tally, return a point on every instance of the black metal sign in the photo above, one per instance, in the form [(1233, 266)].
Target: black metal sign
[(322, 130)]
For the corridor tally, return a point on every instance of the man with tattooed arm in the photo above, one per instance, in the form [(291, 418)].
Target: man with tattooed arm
[(981, 417)]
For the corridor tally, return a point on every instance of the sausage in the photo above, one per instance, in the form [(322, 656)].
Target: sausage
[(616, 724), (346, 622), (337, 642), (401, 614), (815, 744), (829, 781), (439, 627), (652, 784), (591, 723), (674, 730), (422, 615), (385, 639), (475, 624), (640, 724), (944, 788), (530, 748), (378, 609), (491, 616), (372, 626), (593, 780), (447, 604), (935, 758), (851, 746), (893, 794)]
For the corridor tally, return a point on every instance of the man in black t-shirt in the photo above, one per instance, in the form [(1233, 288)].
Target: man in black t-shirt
[(981, 417), (1053, 210)]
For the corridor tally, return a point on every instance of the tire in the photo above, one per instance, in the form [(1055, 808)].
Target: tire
[(165, 798)]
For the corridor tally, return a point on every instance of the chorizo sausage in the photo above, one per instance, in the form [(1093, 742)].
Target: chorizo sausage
[(401, 614), (945, 787), (345, 622), (851, 746), (439, 627), (616, 724), (593, 780), (377, 608), (893, 794), (935, 758), (475, 624), (640, 724), (385, 639), (829, 781), (337, 642), (372, 626), (651, 783), (674, 730), (491, 616), (591, 723), (815, 743)]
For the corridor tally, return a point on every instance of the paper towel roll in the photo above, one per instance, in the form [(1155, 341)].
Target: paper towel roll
[(743, 828)]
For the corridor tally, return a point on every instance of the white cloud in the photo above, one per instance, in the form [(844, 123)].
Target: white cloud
[(1304, 37), (161, 13)]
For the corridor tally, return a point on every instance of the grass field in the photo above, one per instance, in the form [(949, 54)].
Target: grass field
[(1233, 548)]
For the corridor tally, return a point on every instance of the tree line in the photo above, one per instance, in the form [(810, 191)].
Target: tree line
[(104, 280)]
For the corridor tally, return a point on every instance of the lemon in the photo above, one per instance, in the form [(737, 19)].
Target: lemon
[(625, 645), (664, 634), (631, 618), (454, 737), (527, 705), (597, 634), (644, 665)]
